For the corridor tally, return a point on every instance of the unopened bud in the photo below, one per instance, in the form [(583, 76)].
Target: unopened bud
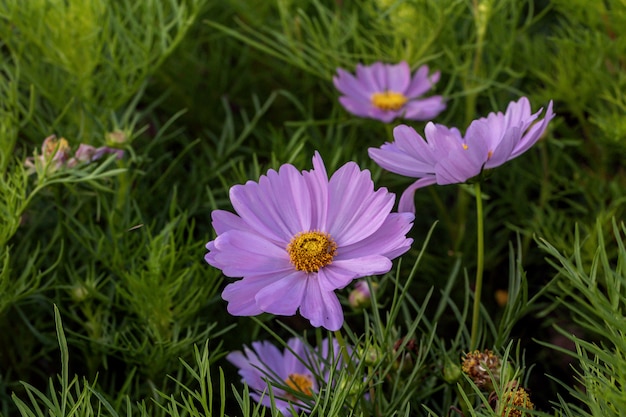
[(371, 355), (451, 372), (361, 297), (117, 137)]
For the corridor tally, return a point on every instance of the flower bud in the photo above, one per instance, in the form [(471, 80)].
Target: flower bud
[(451, 372), (116, 138), (350, 384), (404, 361), (370, 355), (79, 293), (361, 297)]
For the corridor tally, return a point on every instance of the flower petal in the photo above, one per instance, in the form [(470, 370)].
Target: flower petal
[(424, 109), (274, 206), (224, 221), (355, 210), (408, 155), (321, 308), (351, 86), (407, 200), (398, 77), (343, 271), (421, 82), (240, 295), (284, 296), (534, 133), (239, 253), (389, 240)]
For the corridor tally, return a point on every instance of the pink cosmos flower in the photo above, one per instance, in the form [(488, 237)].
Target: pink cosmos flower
[(446, 157), (298, 236), (298, 368), (386, 92)]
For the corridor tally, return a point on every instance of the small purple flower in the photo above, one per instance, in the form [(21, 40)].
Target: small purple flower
[(298, 236), (446, 157), (386, 92), (298, 368), (85, 153)]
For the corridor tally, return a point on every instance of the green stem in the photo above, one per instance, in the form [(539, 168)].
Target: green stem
[(344, 351), (480, 259), (461, 217), (389, 129)]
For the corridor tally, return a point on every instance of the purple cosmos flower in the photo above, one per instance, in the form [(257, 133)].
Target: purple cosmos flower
[(385, 92), (298, 368), (298, 236), (446, 157)]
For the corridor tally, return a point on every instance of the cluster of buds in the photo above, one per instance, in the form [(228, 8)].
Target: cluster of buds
[(487, 370), (57, 154)]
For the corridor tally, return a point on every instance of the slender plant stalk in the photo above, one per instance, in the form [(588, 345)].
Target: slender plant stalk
[(344, 351), (480, 259)]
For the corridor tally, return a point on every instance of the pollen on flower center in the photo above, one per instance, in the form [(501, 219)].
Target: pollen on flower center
[(300, 383), (310, 251), (389, 100)]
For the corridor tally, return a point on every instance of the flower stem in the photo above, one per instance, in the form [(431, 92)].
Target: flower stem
[(344, 351), (480, 260), (389, 129)]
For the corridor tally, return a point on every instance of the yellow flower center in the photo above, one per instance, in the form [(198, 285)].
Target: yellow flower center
[(300, 383), (310, 251), (389, 100)]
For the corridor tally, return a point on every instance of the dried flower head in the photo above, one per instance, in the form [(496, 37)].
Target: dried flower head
[(481, 366), (515, 401)]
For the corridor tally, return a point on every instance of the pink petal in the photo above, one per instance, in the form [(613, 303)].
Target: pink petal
[(534, 133), (389, 240), (398, 77), (317, 180), (239, 254), (407, 200), (224, 221), (321, 308), (421, 82), (355, 211), (350, 86), (357, 107), (424, 109), (343, 271), (284, 296), (240, 297)]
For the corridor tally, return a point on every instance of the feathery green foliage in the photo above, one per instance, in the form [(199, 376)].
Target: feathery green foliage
[(102, 260)]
